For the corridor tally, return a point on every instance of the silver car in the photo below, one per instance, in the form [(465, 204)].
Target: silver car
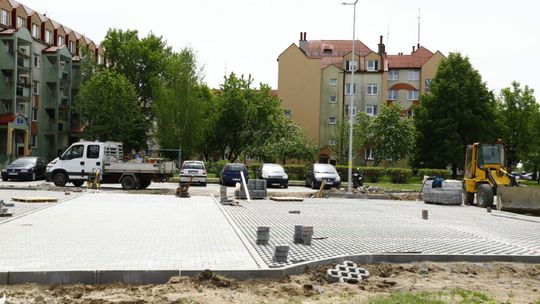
[(193, 170), (317, 173)]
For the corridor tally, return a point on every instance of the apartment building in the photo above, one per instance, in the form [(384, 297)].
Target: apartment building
[(39, 76), (316, 84)]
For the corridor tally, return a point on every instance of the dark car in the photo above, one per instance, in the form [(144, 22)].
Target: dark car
[(30, 168), (274, 174), (230, 174), (317, 173)]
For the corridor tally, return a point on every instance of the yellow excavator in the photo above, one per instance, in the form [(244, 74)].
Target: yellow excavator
[(487, 176)]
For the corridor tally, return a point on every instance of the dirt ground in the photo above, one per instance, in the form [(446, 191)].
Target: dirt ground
[(506, 282)]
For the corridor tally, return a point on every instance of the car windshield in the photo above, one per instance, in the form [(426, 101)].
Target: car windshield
[(24, 161), (193, 166), (273, 168), (236, 167), (324, 169)]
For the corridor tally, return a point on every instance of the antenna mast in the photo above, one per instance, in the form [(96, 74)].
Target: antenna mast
[(418, 28)]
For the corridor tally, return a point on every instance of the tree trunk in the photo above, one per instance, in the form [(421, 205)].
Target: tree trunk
[(454, 171)]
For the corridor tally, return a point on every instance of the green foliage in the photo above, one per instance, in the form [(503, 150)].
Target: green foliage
[(434, 172), (398, 175), (372, 174), (519, 112), (458, 110), (104, 99), (215, 167), (391, 135), (253, 168), (408, 298), (343, 173), (296, 172)]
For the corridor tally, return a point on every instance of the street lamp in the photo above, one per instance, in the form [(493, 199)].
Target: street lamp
[(352, 91)]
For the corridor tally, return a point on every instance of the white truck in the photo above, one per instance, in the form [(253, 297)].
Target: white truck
[(88, 158)]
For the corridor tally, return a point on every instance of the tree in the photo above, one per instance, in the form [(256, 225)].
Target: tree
[(361, 125), (391, 135), (288, 142), (458, 110), (179, 108), (518, 115), (108, 104)]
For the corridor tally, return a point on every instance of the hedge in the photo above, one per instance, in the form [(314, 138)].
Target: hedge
[(296, 172), (434, 172), (398, 175), (372, 174), (215, 167)]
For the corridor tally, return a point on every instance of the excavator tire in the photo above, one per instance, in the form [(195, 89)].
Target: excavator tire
[(484, 196), (468, 198)]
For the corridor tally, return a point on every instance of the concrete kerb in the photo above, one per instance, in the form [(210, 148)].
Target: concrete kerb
[(163, 276)]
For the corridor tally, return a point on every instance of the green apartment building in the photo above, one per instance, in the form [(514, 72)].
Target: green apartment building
[(39, 77), (316, 85)]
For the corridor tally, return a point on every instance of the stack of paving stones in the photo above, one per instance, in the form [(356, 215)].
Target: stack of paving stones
[(4, 208), (256, 188), (347, 272), (263, 235), (223, 195), (280, 254), (448, 194), (303, 234)]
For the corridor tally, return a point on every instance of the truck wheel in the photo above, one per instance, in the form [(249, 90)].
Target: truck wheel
[(128, 183), (77, 183), (145, 183), (468, 198), (484, 196), (59, 179)]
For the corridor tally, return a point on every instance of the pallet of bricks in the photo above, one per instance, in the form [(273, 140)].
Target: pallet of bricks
[(4, 209), (444, 192)]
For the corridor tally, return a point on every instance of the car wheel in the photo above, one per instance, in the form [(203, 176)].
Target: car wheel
[(5, 178), (285, 186), (33, 177), (59, 179), (313, 186), (77, 183)]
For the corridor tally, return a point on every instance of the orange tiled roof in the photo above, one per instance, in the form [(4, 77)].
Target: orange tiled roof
[(414, 60), (315, 49)]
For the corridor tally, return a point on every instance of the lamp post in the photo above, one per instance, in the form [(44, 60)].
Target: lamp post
[(352, 91)]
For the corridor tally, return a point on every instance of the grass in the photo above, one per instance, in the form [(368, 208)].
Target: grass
[(457, 295)]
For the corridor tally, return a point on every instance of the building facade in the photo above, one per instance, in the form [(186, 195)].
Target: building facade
[(316, 84), (39, 76)]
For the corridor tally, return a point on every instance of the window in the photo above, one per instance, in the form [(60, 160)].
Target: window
[(393, 75), (92, 151), (60, 40), (74, 152), (33, 141), (20, 22), (331, 142), (392, 95), (427, 83), (287, 113), (332, 120), (410, 113), (351, 65), (369, 153), (414, 75), (372, 65), (34, 114), (348, 89), (36, 60), (35, 30), (48, 36), (372, 89), (4, 17), (35, 88), (333, 82), (21, 108), (347, 110), (371, 110), (71, 46), (333, 98), (412, 95)]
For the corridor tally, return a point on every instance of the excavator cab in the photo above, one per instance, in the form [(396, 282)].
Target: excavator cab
[(485, 173)]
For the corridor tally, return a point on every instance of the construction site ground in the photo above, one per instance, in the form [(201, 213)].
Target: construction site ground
[(155, 241)]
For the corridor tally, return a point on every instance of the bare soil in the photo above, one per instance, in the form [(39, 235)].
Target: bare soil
[(506, 282)]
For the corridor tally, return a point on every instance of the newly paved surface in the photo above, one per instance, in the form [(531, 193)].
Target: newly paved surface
[(349, 227), (109, 231)]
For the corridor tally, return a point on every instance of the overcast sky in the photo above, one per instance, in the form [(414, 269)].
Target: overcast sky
[(246, 36)]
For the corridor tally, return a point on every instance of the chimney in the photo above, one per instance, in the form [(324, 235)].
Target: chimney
[(413, 49), (418, 45), (382, 49), (303, 42)]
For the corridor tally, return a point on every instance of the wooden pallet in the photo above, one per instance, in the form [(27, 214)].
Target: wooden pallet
[(35, 199), (286, 199)]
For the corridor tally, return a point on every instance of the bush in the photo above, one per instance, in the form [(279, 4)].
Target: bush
[(398, 175), (343, 173), (215, 167), (296, 172), (434, 172), (252, 168), (371, 174)]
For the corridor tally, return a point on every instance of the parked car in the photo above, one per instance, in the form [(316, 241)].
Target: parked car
[(30, 168), (274, 174), (527, 176), (316, 173), (230, 174), (194, 170)]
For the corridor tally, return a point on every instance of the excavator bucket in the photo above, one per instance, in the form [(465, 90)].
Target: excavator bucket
[(518, 199)]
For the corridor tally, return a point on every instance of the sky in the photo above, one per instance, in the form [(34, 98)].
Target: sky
[(246, 36)]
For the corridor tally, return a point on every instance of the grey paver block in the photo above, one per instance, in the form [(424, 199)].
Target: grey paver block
[(135, 277), (4, 278), (52, 277)]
